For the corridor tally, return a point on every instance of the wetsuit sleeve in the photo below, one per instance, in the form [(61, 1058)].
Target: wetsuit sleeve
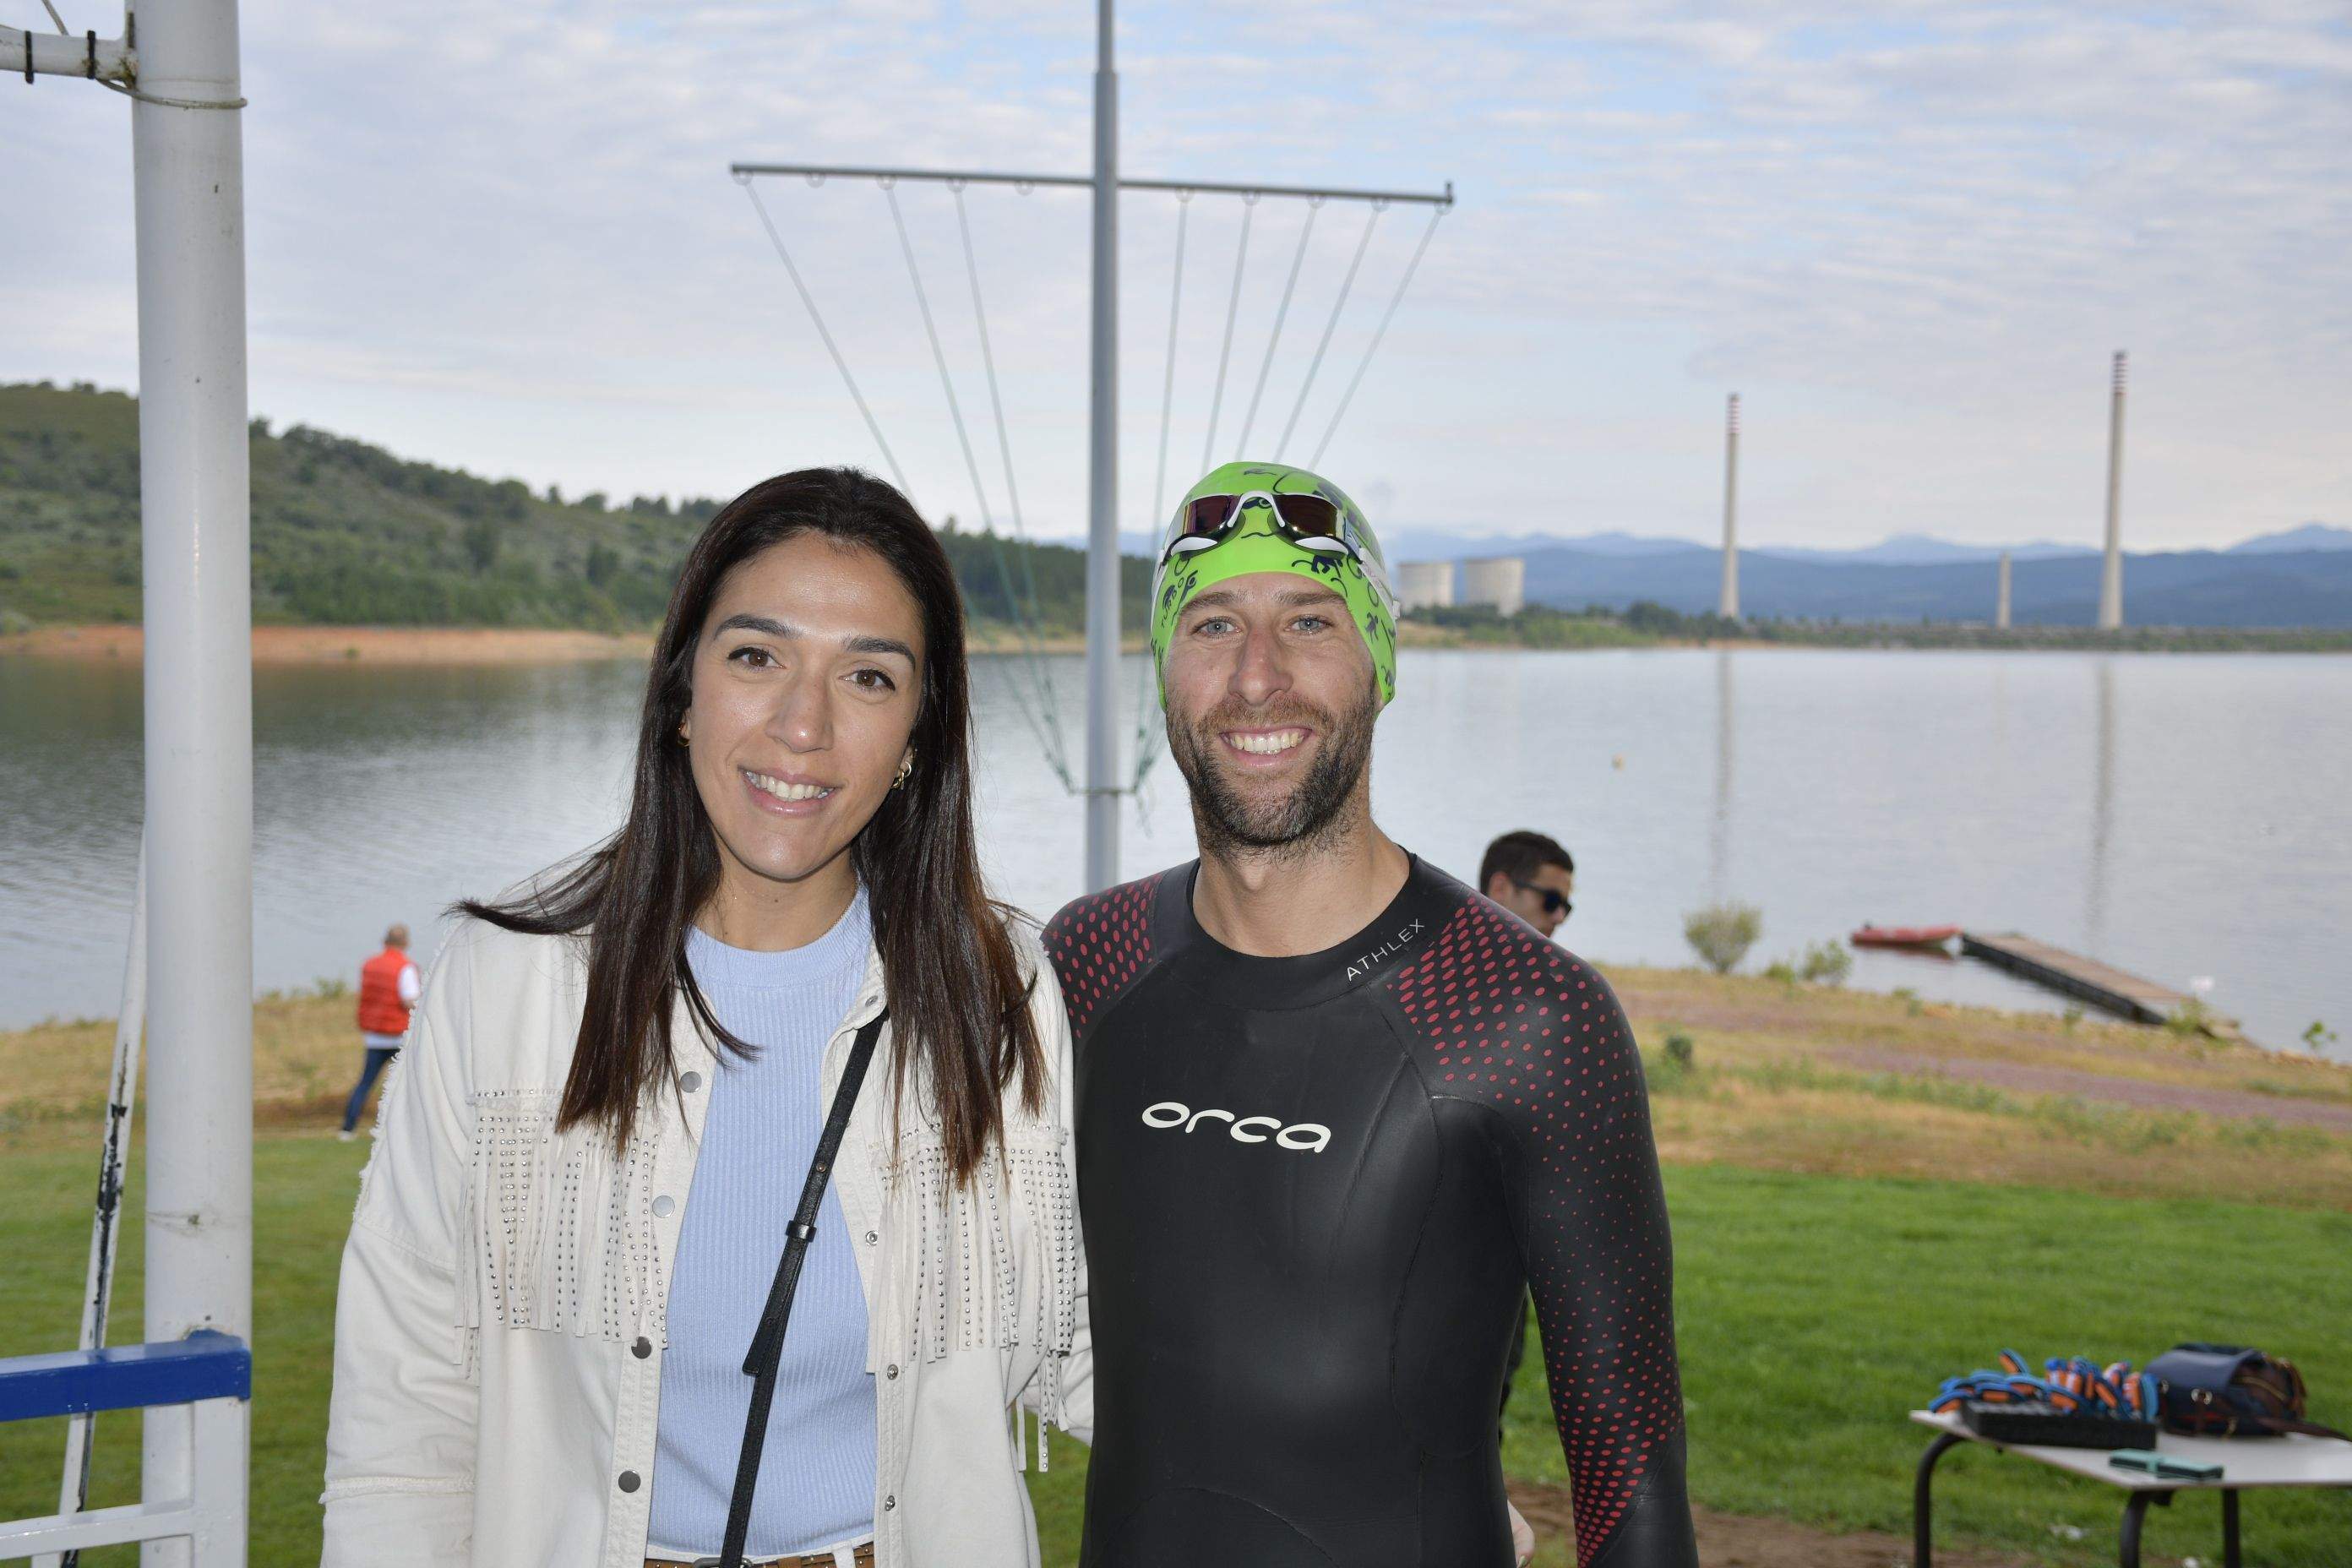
[(1098, 945), (1517, 1025)]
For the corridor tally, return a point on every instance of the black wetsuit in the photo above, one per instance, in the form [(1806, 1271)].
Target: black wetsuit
[(1313, 1189)]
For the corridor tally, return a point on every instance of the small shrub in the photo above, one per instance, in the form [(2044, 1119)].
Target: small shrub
[(1826, 963), (2319, 1037), (2071, 1016), (1911, 1003), (327, 988), (1674, 1070), (1783, 970), (1721, 934)]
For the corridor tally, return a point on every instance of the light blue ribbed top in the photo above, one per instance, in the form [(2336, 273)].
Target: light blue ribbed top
[(758, 1134)]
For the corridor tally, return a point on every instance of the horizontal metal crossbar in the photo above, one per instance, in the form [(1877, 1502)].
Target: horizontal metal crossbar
[(117, 1526), (65, 54), (205, 1365), (998, 177)]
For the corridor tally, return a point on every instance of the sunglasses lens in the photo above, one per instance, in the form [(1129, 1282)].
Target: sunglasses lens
[(1206, 517), (1308, 516)]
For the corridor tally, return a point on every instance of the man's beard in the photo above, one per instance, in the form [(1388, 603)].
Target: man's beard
[(1225, 819)]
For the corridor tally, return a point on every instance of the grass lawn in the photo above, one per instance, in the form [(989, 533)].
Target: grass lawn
[(1814, 1311)]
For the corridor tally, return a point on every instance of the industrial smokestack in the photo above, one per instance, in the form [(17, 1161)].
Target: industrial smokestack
[(2111, 579), (1728, 605), (2001, 598)]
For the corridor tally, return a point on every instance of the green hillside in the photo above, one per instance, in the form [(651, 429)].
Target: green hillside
[(346, 533)]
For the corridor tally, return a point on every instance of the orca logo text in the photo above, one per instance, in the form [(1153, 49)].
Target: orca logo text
[(1309, 1137)]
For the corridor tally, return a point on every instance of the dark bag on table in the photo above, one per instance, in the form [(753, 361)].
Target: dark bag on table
[(2229, 1390)]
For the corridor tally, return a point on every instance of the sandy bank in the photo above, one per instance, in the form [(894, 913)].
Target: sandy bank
[(353, 645)]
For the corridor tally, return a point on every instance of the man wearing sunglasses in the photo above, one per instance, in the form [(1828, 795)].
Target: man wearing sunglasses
[(1335, 1113), (1531, 875)]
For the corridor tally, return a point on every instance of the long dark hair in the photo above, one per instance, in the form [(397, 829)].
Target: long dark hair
[(957, 996)]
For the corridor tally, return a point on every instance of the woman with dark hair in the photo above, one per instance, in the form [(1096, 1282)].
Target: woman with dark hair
[(579, 1232)]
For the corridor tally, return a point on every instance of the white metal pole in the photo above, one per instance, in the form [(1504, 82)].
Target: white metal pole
[(2111, 571), (1727, 605), (1102, 533), (188, 168)]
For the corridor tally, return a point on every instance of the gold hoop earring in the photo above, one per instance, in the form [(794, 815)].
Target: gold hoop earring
[(906, 772)]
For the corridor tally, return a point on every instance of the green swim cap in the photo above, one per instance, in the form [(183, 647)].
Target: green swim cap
[(1255, 544)]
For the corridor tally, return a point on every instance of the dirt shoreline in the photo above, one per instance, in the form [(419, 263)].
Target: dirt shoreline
[(353, 645)]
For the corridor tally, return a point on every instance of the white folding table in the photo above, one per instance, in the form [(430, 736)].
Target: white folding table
[(2292, 1460)]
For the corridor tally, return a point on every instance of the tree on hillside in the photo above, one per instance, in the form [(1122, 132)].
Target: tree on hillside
[(481, 542)]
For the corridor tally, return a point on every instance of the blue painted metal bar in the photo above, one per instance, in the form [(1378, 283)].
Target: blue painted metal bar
[(205, 1365)]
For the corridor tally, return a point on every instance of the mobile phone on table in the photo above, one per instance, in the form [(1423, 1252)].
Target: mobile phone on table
[(2165, 1467)]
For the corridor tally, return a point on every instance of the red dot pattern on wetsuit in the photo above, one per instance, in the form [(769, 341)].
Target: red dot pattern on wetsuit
[(1510, 1020), (1098, 944)]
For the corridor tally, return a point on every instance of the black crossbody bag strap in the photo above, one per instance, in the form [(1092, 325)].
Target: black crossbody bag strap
[(768, 1343)]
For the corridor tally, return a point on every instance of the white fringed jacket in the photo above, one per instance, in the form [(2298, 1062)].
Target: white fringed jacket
[(499, 1327)]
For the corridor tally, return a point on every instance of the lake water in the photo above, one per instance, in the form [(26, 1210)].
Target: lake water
[(2182, 817)]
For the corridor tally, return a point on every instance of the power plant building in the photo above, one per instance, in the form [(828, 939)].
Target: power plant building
[(1425, 585), (1500, 581)]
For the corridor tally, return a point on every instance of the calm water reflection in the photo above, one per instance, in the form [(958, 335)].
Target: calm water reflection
[(2179, 815)]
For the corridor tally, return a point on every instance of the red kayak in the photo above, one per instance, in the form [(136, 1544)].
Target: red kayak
[(1903, 936)]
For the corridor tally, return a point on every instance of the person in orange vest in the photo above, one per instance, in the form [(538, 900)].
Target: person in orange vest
[(389, 987)]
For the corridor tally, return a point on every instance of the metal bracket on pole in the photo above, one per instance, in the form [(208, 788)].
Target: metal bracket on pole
[(62, 54)]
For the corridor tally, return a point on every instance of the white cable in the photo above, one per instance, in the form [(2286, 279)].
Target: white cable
[(1289, 286), (1045, 724), (817, 318), (1233, 309), (1394, 300), (1338, 305)]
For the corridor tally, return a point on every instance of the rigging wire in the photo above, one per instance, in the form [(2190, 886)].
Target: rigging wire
[(1233, 309), (1168, 383), (996, 399), (817, 317), (1394, 300), (938, 356), (1290, 285), (1038, 707), (1147, 735), (1043, 723), (1338, 305), (1026, 618)]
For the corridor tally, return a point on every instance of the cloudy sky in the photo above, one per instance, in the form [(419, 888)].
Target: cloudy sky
[(504, 237)]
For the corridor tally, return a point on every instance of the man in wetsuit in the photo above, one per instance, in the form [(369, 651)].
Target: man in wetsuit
[(1336, 1110)]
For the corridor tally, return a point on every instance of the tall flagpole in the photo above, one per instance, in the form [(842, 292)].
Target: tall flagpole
[(188, 167), (1102, 530), (1728, 604)]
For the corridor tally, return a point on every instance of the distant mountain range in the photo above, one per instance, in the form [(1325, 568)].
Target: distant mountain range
[(2301, 577), (2191, 588), (1900, 550)]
